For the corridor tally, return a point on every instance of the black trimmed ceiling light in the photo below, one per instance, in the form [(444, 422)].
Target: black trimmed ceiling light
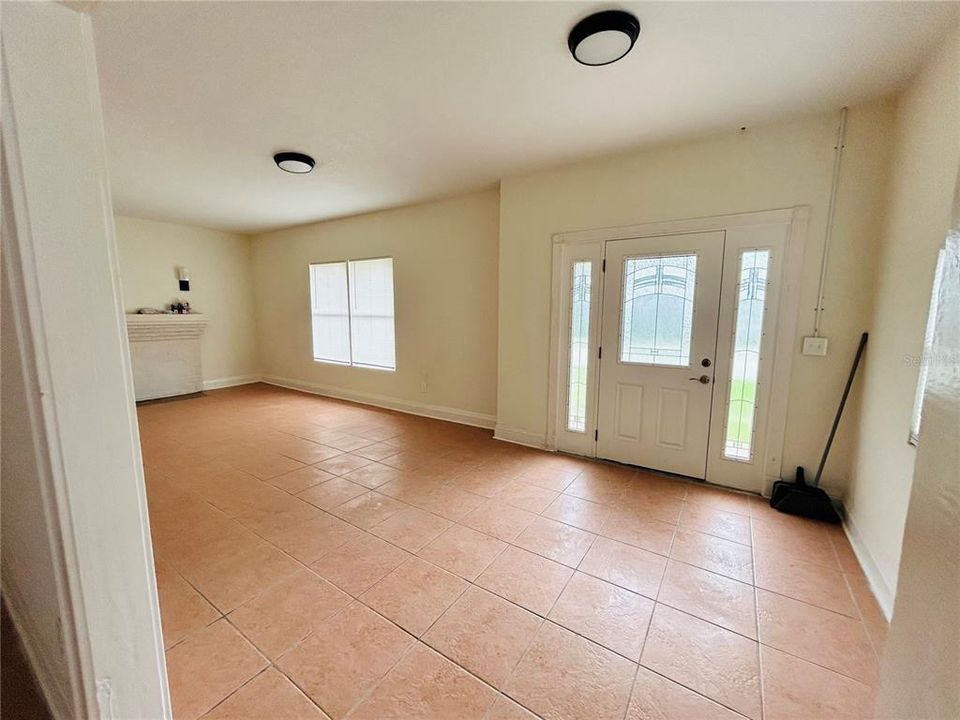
[(294, 162), (604, 37)]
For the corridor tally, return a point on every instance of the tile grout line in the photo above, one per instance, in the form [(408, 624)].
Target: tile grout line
[(756, 620), (379, 680), (643, 645), (693, 690), (238, 689)]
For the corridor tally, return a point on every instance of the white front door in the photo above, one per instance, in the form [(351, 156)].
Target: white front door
[(658, 350)]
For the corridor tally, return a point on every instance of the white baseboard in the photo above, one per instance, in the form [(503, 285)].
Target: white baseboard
[(438, 412), (881, 590), (57, 698), (518, 436), (225, 382)]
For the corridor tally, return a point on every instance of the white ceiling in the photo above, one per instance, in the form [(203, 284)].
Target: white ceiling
[(406, 101)]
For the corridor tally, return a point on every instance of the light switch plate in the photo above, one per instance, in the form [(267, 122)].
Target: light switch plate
[(815, 345)]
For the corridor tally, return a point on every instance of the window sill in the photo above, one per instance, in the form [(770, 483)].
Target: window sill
[(355, 365)]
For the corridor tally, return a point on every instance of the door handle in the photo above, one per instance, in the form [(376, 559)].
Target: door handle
[(703, 379)]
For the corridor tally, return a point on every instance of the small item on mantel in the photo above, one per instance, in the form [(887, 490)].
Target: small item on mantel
[(151, 311), (180, 308)]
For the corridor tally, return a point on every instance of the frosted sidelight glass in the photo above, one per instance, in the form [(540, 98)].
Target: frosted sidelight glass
[(745, 368), (579, 346)]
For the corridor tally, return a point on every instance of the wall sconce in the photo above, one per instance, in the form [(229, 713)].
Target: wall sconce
[(183, 275)]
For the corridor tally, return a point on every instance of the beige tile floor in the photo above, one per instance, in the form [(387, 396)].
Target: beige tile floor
[(319, 559)]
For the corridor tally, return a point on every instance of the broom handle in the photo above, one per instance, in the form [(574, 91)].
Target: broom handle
[(843, 401)]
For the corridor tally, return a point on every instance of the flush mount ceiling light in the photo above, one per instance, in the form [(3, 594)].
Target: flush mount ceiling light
[(604, 37), (294, 162)]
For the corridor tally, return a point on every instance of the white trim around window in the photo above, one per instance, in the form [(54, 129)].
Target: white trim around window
[(352, 315)]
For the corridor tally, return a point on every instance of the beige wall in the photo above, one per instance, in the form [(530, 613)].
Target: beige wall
[(445, 270), (767, 167), (918, 215), (221, 287)]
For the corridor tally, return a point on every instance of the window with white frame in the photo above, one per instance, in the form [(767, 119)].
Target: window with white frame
[(747, 348), (579, 346), (352, 307), (927, 357)]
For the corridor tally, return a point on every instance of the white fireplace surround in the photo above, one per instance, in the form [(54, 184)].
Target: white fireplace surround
[(165, 354)]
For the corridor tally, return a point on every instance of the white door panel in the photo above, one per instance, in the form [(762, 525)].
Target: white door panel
[(658, 350), (672, 418)]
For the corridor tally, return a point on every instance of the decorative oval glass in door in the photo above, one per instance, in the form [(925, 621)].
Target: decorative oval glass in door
[(656, 320)]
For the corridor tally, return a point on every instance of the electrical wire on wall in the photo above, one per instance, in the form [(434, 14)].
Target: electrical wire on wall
[(831, 211)]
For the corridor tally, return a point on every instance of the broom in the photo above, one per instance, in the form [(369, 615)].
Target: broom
[(799, 498)]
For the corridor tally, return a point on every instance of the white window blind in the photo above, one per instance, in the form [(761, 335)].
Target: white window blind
[(331, 316), (353, 315), (371, 313)]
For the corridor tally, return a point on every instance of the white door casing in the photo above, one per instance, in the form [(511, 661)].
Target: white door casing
[(80, 401), (654, 407), (782, 233)]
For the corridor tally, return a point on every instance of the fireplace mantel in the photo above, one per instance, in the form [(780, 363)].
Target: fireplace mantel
[(164, 327), (165, 353)]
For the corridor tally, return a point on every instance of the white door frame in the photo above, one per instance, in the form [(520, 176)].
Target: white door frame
[(589, 244), (663, 396), (63, 271)]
